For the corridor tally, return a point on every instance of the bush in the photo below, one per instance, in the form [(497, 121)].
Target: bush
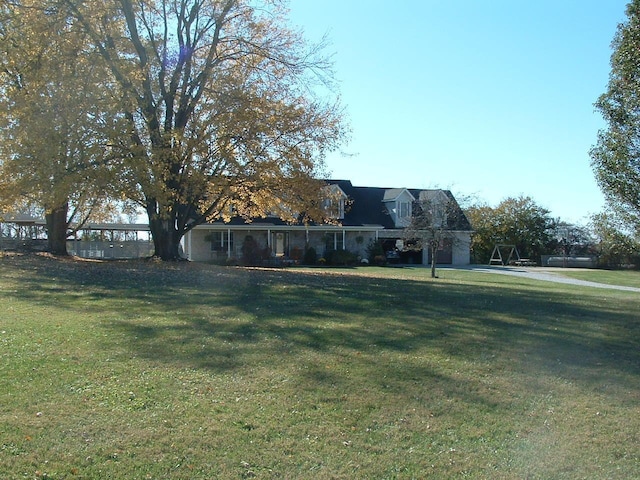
[(380, 260), (616, 259), (252, 254), (341, 257), (296, 254), (374, 251), (310, 256)]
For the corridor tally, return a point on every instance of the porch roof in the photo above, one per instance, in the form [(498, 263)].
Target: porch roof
[(121, 227), (284, 226)]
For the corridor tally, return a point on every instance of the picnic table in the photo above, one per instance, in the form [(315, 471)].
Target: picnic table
[(524, 262)]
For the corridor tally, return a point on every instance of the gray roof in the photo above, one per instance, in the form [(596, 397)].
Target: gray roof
[(367, 205), (391, 194)]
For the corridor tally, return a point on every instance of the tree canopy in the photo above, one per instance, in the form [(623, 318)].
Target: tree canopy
[(221, 108), (56, 119), (221, 113), (515, 221), (616, 156)]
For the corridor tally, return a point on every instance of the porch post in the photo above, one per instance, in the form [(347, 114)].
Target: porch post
[(228, 243), (344, 239), (188, 244)]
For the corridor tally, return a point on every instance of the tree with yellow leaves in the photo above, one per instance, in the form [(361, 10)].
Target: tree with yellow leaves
[(55, 121), (222, 118)]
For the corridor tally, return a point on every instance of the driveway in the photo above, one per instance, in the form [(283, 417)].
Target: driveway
[(544, 274)]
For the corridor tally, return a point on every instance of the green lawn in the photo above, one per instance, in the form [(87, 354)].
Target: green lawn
[(187, 371), (612, 277)]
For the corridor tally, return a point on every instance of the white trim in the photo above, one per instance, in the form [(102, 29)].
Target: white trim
[(188, 245), (291, 228)]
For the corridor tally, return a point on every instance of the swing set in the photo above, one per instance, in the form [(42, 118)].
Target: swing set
[(500, 257)]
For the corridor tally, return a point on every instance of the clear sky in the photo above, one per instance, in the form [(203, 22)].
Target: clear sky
[(490, 98)]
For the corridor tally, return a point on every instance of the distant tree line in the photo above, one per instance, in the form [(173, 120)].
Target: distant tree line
[(523, 223)]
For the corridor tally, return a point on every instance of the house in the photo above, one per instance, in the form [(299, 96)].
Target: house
[(360, 215)]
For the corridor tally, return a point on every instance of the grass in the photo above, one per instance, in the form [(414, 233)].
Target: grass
[(611, 277), (186, 371)]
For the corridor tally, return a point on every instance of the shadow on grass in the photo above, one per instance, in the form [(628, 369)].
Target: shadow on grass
[(222, 319)]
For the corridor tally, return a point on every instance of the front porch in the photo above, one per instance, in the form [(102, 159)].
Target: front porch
[(281, 244)]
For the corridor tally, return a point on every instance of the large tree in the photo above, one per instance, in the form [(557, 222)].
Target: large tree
[(222, 117), (616, 156), (55, 121), (516, 221)]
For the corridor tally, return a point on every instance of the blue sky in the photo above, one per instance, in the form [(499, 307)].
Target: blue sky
[(489, 98)]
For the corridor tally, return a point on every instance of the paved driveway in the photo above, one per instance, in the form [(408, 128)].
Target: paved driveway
[(542, 273)]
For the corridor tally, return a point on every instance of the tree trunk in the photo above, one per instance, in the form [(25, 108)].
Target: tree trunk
[(57, 225), (434, 254), (166, 237)]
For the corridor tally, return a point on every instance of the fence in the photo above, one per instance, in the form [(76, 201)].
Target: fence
[(110, 250), (569, 261)]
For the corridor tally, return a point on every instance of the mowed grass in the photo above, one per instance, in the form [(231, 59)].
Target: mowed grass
[(135, 370), (612, 277)]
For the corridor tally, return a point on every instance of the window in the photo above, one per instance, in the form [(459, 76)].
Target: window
[(439, 215), (341, 208), (334, 202), (405, 209), (221, 241), (217, 241), (334, 208), (334, 241)]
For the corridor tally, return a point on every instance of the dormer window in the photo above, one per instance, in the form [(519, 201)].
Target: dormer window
[(404, 210), (398, 202), (339, 210), (334, 202), (439, 215), (334, 208), (436, 204)]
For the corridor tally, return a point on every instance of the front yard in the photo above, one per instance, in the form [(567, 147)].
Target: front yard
[(189, 371)]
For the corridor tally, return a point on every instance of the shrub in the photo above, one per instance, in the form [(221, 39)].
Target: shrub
[(380, 260), (341, 257), (375, 250), (296, 254), (266, 254), (252, 254), (310, 256)]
